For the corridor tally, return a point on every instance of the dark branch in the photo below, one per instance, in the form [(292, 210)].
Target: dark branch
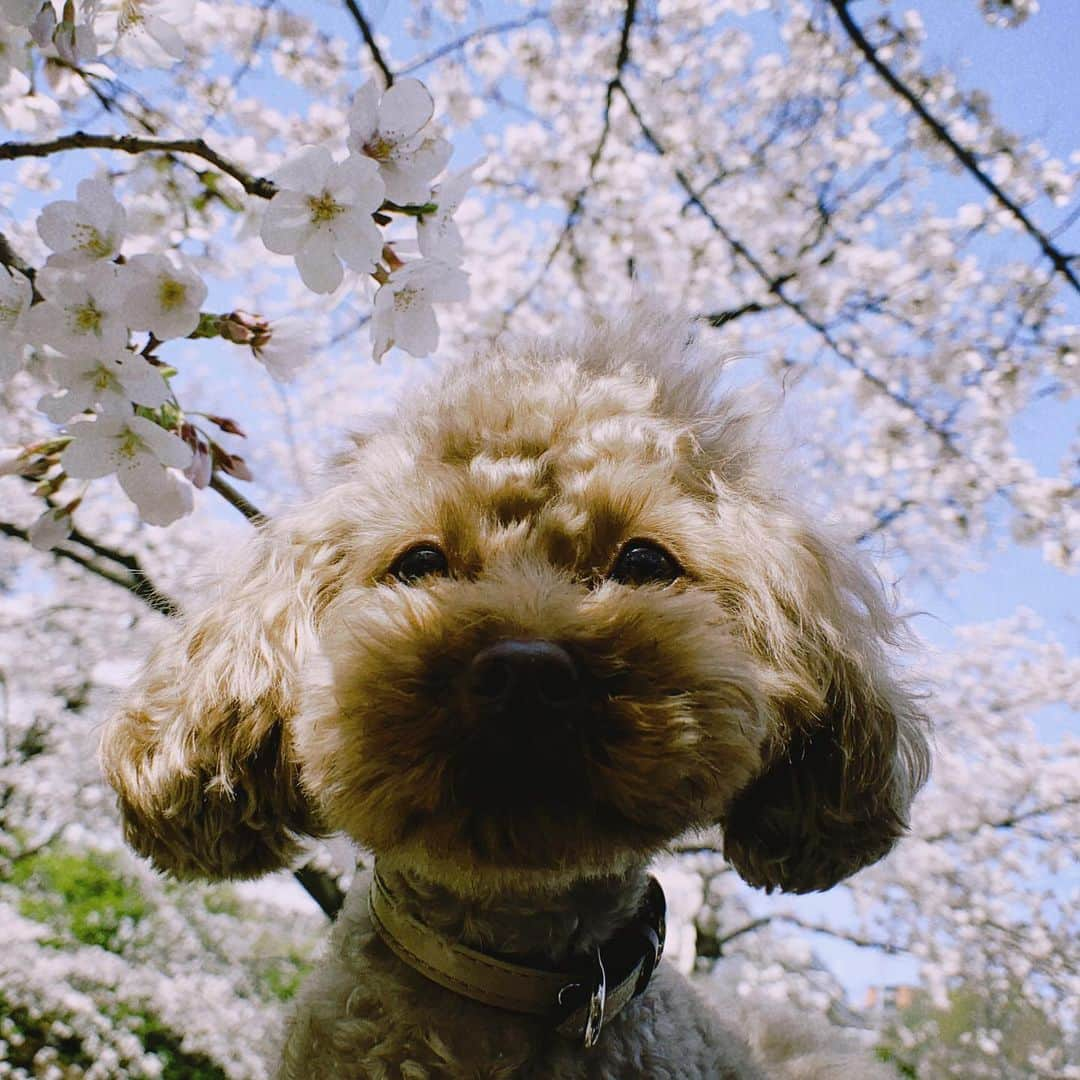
[(369, 40), (1061, 261), (130, 575), (722, 318), (138, 144), (234, 498)]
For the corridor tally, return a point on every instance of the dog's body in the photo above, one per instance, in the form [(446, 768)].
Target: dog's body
[(554, 615)]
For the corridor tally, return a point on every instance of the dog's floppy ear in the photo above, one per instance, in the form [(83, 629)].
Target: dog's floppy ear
[(200, 753), (848, 751)]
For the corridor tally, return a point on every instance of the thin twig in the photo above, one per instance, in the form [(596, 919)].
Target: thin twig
[(475, 35), (234, 498), (1058, 258), (369, 40), (134, 579), (138, 144), (1010, 821), (577, 204)]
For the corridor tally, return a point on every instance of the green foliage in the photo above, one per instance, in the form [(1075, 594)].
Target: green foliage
[(283, 975), (82, 896), (891, 1057)]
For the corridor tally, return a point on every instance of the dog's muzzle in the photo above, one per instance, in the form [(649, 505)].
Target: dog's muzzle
[(578, 1002)]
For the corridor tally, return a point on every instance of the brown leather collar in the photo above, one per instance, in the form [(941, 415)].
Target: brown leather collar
[(578, 1001)]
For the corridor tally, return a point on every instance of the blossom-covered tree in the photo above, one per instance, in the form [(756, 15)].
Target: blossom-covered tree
[(230, 229)]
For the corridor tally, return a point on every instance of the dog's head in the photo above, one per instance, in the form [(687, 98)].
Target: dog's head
[(554, 615)]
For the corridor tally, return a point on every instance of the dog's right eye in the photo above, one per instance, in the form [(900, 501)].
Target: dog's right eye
[(419, 562), (642, 562)]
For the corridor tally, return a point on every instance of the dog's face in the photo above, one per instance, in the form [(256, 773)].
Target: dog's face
[(535, 661), (546, 622)]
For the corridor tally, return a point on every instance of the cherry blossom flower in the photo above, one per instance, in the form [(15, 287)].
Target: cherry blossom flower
[(403, 313), (142, 32), (82, 309), (139, 452), (84, 231), (164, 296), (111, 380), (284, 349), (16, 293), (322, 214), (437, 235), (387, 128), (49, 529)]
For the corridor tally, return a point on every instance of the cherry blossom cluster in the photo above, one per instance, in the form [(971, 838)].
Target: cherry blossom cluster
[(114, 400), (139, 32), (327, 213), (83, 307)]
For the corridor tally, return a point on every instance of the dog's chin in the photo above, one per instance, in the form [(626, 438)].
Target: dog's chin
[(511, 849), (523, 828)]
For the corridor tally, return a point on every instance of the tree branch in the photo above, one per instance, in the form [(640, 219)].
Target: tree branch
[(475, 35), (133, 578), (369, 40), (578, 202), (1061, 261), (722, 318), (234, 498), (1010, 821), (139, 144)]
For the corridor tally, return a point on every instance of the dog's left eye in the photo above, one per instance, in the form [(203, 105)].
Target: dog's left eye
[(643, 563), (418, 562)]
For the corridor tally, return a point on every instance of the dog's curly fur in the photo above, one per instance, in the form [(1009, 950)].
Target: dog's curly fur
[(318, 692)]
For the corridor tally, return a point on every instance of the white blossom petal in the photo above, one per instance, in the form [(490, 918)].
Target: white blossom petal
[(20, 12), (405, 108), (320, 269), (408, 178), (305, 171), (356, 182), (358, 240), (93, 451), (416, 329), (161, 496), (286, 223), (163, 296), (85, 231), (364, 115), (50, 529), (168, 448)]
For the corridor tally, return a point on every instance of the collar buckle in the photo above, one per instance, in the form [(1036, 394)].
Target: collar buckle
[(594, 1018)]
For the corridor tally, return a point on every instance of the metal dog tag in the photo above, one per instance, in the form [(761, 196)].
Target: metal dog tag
[(594, 1019)]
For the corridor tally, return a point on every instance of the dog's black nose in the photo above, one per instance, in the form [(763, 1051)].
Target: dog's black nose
[(513, 677)]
